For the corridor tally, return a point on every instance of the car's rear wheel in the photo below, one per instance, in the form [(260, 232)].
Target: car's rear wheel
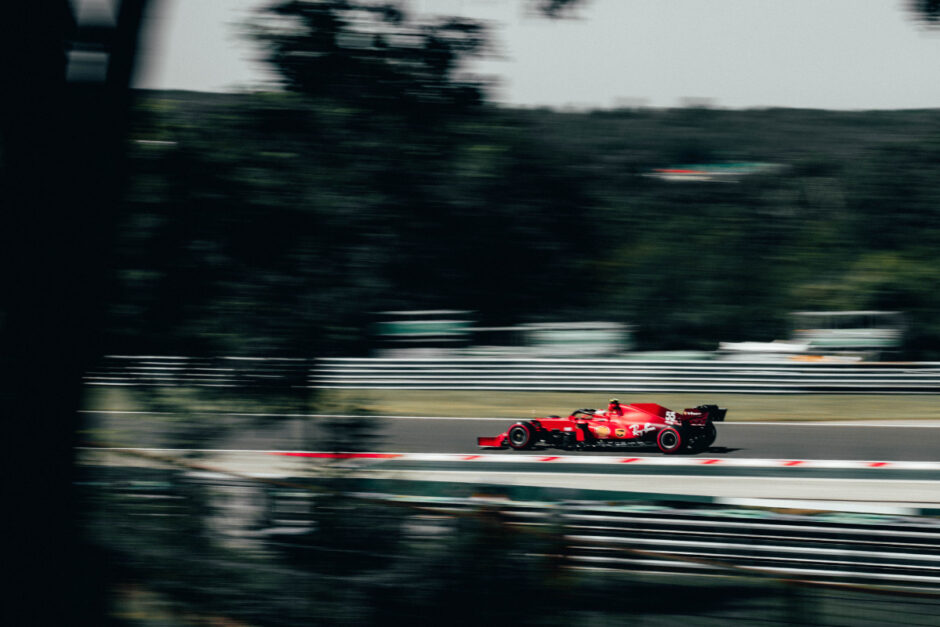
[(704, 438), (521, 436), (669, 440)]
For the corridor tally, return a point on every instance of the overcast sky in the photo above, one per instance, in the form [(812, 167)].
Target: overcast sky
[(833, 54)]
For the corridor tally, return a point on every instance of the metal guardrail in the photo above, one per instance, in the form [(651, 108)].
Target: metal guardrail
[(627, 375), (210, 372), (618, 375)]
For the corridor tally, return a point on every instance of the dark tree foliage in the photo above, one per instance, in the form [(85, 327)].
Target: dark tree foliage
[(555, 8), (273, 224), (292, 219), (374, 54), (926, 11), (276, 226)]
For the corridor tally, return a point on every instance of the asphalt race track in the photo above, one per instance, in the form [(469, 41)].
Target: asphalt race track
[(243, 444), (458, 435), (734, 440)]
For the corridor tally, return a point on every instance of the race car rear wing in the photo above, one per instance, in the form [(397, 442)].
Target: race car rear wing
[(715, 413)]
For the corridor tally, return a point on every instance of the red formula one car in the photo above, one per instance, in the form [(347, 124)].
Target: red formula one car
[(621, 426)]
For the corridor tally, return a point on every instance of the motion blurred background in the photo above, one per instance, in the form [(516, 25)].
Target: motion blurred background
[(386, 173), (281, 183)]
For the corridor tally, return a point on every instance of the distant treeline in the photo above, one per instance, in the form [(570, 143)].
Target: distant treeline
[(275, 223)]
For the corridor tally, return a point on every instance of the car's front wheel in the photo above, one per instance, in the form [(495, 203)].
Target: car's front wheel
[(669, 440), (521, 436)]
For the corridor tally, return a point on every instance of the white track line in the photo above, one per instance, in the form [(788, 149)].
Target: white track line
[(928, 423), (822, 505), (620, 460)]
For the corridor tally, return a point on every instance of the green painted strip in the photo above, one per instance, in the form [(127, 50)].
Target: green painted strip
[(613, 501), (450, 489)]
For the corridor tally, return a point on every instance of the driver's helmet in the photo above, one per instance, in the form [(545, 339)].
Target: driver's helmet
[(614, 400)]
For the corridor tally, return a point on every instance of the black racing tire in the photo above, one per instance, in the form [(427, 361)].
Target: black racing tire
[(521, 436), (711, 434), (670, 440), (569, 442), (703, 439)]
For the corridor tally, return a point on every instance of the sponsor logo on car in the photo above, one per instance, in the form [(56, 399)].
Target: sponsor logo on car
[(639, 430)]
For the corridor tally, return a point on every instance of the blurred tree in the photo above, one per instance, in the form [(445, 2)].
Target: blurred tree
[(274, 223), (926, 11), (555, 8), (373, 54), (292, 218)]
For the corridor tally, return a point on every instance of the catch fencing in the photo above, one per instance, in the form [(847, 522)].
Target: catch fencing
[(574, 375)]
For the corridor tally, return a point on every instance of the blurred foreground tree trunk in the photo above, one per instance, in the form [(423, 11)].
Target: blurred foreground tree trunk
[(65, 98)]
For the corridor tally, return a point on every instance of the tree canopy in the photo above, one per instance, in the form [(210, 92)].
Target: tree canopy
[(382, 179)]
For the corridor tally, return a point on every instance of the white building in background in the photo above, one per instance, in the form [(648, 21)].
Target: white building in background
[(577, 339), (450, 333), (828, 336)]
